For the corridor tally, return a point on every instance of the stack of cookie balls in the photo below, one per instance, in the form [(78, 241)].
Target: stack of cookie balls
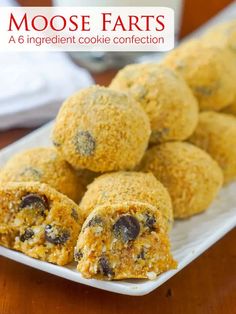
[(128, 159)]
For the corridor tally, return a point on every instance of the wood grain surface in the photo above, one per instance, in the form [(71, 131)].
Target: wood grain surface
[(206, 286)]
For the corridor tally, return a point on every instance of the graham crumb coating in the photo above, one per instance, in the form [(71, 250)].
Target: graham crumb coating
[(216, 134), (122, 241), (224, 35), (101, 130), (164, 95), (191, 176), (39, 221), (208, 70), (126, 186), (43, 164)]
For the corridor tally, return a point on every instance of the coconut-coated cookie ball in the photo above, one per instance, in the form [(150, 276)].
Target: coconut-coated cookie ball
[(191, 176), (43, 164), (216, 134), (125, 186), (101, 130), (164, 95), (121, 241), (207, 70)]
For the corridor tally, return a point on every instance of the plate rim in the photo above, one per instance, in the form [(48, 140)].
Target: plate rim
[(105, 285), (66, 273)]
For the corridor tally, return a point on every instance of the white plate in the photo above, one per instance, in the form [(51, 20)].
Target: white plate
[(189, 238)]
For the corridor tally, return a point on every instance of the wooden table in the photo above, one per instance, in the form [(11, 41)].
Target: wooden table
[(207, 285)]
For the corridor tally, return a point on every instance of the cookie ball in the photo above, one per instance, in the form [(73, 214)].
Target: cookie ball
[(191, 176), (122, 241), (39, 221), (43, 164), (222, 35), (216, 134), (164, 95), (207, 70), (123, 186), (101, 130)]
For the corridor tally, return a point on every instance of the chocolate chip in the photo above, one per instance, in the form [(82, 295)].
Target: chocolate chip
[(55, 235), (104, 267), (159, 135), (141, 255), (126, 228), (34, 201), (28, 234), (74, 214), (56, 144), (78, 255), (150, 221), (31, 172), (85, 143), (94, 222), (204, 90)]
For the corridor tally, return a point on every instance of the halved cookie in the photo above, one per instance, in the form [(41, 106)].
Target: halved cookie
[(126, 240), (38, 221)]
